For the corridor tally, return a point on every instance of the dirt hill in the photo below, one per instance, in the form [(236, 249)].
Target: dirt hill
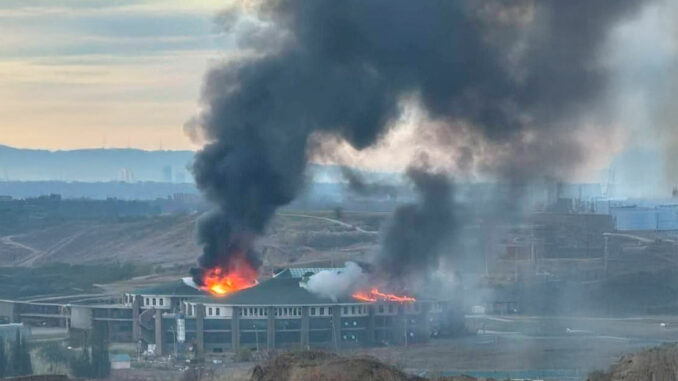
[(656, 364), (292, 239), (315, 365)]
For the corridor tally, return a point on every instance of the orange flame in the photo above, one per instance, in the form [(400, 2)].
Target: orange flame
[(375, 295), (220, 281)]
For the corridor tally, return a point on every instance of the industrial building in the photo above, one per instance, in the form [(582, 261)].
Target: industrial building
[(177, 317)]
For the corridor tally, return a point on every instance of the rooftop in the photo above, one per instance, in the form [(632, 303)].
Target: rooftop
[(275, 291), (299, 272), (173, 288)]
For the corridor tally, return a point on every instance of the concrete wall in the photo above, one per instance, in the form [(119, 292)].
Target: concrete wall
[(8, 311), (81, 317)]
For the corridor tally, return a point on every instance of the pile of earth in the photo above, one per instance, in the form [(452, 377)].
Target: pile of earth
[(655, 364), (317, 365)]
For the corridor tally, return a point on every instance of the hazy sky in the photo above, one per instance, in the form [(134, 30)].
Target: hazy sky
[(127, 73), (93, 73)]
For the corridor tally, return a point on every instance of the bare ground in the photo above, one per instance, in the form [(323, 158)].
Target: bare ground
[(293, 238)]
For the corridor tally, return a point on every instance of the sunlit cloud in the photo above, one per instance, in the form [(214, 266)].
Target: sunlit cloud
[(90, 73)]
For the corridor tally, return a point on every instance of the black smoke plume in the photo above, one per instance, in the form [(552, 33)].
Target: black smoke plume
[(520, 74), (416, 235)]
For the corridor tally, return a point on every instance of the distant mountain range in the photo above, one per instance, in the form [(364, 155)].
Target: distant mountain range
[(127, 165), (95, 165)]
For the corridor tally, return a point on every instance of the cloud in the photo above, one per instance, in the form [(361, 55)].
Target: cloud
[(82, 72)]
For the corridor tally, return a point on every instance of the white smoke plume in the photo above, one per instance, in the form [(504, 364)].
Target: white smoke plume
[(334, 284)]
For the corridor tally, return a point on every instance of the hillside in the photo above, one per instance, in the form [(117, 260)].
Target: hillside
[(655, 364), (168, 239)]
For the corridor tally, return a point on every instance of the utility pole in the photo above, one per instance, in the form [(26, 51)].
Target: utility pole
[(175, 342), (606, 253), (256, 334)]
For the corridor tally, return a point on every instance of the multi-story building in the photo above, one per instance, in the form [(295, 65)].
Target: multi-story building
[(277, 313)]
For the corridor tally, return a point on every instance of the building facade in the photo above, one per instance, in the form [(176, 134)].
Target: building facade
[(277, 313)]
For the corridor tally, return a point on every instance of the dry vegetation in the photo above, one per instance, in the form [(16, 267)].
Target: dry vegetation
[(292, 239), (655, 364), (314, 365)]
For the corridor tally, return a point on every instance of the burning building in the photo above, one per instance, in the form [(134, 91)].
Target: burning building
[(280, 312)]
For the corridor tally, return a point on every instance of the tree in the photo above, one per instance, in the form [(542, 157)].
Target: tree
[(81, 366), (97, 364), (3, 358), (54, 354), (20, 356), (101, 364), (27, 364)]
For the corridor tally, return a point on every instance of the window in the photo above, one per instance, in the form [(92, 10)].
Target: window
[(162, 301), (322, 311), (153, 301), (209, 311), (147, 303), (345, 310), (218, 311), (390, 308), (353, 310), (312, 311)]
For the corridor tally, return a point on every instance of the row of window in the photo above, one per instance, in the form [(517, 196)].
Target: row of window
[(254, 312), (154, 301), (382, 308), (147, 301), (321, 311), (296, 311), (354, 310)]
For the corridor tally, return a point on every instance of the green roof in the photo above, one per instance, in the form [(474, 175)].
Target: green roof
[(299, 272), (275, 291), (174, 288)]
